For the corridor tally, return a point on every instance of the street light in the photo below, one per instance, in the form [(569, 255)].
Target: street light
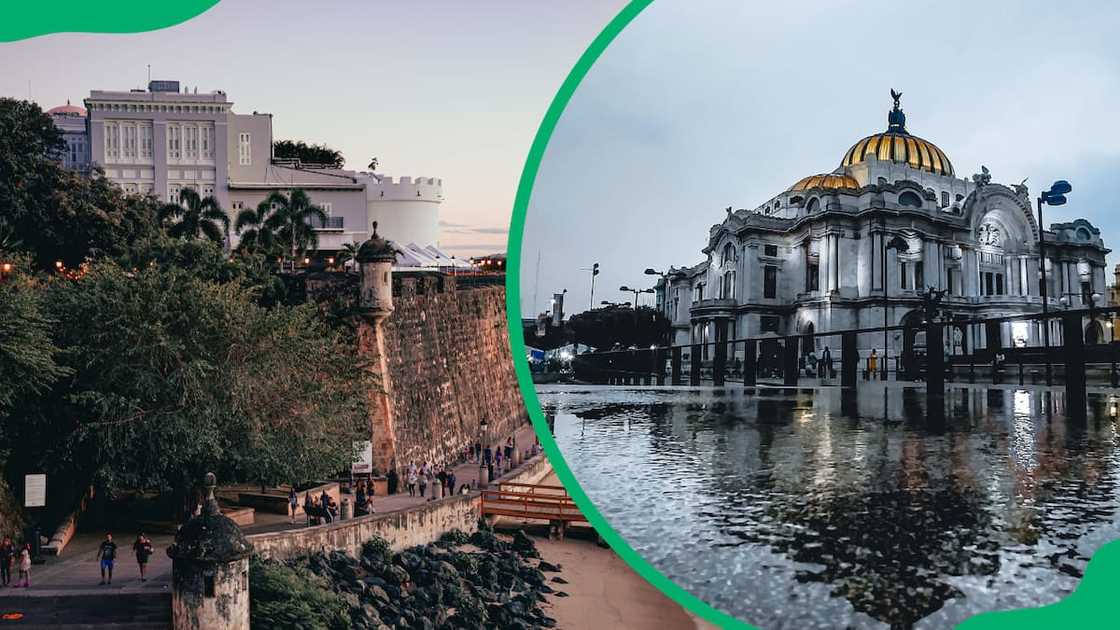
[(636, 292), (1056, 196)]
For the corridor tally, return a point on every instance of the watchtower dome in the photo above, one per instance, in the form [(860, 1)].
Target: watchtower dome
[(375, 259)]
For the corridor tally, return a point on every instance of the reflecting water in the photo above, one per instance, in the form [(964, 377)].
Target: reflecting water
[(795, 508)]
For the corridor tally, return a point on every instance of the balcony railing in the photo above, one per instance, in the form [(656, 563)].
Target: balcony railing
[(331, 223)]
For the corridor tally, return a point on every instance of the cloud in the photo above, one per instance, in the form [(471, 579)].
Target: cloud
[(464, 228)]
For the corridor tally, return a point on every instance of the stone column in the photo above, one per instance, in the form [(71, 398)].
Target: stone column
[(375, 260), (834, 263), (210, 571)]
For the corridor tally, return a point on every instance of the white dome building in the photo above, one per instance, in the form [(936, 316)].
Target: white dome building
[(407, 209)]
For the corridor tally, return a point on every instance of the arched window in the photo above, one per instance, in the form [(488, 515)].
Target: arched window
[(1083, 234), (814, 205), (728, 253), (727, 285), (910, 199), (796, 200)]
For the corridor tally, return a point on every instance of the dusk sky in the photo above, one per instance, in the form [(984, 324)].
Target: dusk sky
[(702, 104), (441, 88)]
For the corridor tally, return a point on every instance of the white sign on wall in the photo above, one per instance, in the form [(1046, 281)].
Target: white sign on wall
[(363, 464), (35, 490)]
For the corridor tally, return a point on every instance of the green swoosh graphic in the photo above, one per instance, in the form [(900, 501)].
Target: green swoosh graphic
[(1091, 606), (31, 19)]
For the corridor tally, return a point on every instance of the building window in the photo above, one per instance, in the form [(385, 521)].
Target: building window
[(727, 289), (770, 282), (111, 142), (909, 199), (174, 142), (1087, 293), (207, 190), (728, 253), (770, 250), (813, 278), (903, 279), (326, 208), (207, 139), (944, 199), (768, 323), (244, 151), (814, 206), (173, 192), (950, 281), (919, 276), (190, 133), (989, 283), (999, 284), (145, 141)]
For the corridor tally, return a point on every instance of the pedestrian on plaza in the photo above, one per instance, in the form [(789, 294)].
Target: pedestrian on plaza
[(360, 499), (107, 554), (24, 567), (509, 448), (325, 505), (308, 504), (873, 363), (293, 503), (477, 450), (424, 474), (143, 549), (393, 479), (7, 559), (450, 481), (368, 507), (487, 456), (498, 459), (442, 476), (824, 368), (411, 481), (332, 510)]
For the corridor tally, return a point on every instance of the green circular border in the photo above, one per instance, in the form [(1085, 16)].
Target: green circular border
[(517, 341), (1089, 605)]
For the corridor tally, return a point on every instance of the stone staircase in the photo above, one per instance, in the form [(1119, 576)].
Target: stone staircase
[(131, 611)]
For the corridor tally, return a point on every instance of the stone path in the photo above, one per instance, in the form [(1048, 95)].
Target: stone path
[(466, 473), (77, 571)]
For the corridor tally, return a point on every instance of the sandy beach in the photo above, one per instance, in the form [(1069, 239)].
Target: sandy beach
[(604, 592)]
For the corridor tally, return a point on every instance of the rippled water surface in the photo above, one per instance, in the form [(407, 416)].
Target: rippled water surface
[(798, 508)]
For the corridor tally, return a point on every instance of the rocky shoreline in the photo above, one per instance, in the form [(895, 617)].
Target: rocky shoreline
[(469, 582)]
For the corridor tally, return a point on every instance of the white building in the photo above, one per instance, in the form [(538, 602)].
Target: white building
[(857, 246), (164, 139)]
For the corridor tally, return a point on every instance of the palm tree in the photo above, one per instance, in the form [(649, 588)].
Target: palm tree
[(348, 252), (194, 217), (291, 221), (257, 236)]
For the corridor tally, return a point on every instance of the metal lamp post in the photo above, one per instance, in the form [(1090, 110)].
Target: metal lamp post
[(1056, 196), (636, 292)]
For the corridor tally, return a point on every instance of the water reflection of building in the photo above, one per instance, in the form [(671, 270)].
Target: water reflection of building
[(835, 249), (890, 504)]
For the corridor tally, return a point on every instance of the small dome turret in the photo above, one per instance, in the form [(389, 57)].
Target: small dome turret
[(376, 249), (210, 537)]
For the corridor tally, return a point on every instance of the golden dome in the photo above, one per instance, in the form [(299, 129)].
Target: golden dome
[(825, 180), (897, 145)]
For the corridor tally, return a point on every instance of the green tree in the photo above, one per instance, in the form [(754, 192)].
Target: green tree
[(348, 253), (292, 219), (319, 154), (52, 213), (174, 376), (27, 352), (603, 328), (195, 217), (257, 235)]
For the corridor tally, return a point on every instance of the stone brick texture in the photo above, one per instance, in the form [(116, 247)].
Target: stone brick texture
[(448, 357)]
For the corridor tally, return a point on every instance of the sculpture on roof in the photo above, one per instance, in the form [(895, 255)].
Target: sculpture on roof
[(983, 178)]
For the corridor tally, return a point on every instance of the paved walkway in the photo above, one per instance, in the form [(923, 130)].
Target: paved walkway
[(466, 473), (77, 571)]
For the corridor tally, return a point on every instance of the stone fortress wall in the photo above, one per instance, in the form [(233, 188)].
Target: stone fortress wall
[(450, 368)]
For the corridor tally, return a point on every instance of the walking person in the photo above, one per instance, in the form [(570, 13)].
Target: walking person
[(107, 554), (873, 364), (24, 567), (143, 549), (325, 504), (498, 460), (424, 474), (824, 367), (293, 503), (411, 481), (360, 499), (477, 450), (308, 504), (509, 450), (7, 559), (450, 481)]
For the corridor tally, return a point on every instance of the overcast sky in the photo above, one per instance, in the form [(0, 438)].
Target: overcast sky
[(702, 104), (444, 88)]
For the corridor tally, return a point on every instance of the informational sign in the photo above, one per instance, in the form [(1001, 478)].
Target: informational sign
[(363, 462), (35, 490)]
